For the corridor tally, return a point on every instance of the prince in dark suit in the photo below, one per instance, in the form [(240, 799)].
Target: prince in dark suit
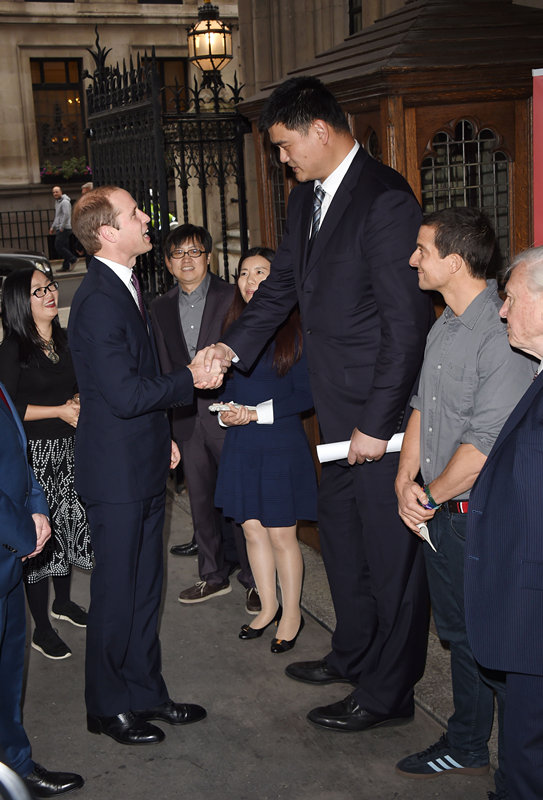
[(504, 547), (122, 456), (24, 529), (188, 317), (345, 259)]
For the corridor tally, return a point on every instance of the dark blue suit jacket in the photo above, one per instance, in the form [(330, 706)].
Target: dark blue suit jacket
[(364, 318), (20, 497), (123, 435), (504, 546)]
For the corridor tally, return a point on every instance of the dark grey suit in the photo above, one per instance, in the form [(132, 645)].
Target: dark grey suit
[(198, 433)]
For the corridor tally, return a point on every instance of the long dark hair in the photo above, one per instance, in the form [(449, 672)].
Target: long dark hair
[(17, 320), (288, 339)]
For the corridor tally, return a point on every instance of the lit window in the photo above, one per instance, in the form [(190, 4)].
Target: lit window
[(57, 90)]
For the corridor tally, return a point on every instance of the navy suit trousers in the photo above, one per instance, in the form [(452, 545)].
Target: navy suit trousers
[(375, 569), (523, 736), (123, 663), (13, 739)]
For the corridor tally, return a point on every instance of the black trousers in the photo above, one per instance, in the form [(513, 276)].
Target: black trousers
[(123, 663), (376, 573), (201, 454)]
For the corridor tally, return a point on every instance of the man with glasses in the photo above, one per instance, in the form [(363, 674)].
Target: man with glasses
[(187, 318)]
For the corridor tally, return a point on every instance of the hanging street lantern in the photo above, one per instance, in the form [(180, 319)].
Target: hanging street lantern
[(210, 43)]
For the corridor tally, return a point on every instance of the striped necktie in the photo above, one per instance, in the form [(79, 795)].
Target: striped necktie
[(318, 197)]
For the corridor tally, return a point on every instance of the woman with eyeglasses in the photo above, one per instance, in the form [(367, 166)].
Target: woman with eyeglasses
[(266, 479), (36, 368)]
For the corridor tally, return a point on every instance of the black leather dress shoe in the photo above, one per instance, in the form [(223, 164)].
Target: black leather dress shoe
[(348, 716), (126, 728), (314, 672), (174, 713), (43, 783), (187, 549)]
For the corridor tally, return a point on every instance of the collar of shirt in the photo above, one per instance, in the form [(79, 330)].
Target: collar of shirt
[(124, 273), (332, 183), (475, 308), (200, 292)]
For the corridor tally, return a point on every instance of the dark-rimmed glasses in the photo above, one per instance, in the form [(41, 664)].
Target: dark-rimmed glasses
[(193, 252), (41, 291)]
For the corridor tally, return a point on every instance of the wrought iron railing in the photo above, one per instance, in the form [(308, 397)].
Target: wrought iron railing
[(25, 230)]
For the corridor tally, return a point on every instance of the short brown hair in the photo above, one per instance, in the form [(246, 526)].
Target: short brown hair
[(91, 211)]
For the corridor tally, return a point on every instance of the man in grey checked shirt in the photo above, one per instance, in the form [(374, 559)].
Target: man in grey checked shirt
[(470, 382)]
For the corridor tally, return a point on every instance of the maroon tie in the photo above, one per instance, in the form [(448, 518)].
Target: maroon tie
[(3, 396), (136, 284)]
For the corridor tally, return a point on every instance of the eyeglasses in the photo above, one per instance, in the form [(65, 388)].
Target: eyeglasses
[(193, 252), (41, 291)]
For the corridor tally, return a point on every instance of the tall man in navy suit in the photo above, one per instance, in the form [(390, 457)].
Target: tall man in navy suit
[(24, 529), (504, 546), (123, 454), (351, 227)]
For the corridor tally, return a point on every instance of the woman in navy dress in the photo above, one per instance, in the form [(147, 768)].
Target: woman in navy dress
[(266, 479)]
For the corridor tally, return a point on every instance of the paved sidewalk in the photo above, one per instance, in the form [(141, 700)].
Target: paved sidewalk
[(255, 743)]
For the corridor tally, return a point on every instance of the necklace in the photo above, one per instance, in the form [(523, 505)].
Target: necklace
[(50, 351)]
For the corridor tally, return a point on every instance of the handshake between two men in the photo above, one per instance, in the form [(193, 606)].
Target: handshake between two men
[(209, 365)]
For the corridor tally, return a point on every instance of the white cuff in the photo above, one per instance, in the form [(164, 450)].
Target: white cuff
[(264, 413)]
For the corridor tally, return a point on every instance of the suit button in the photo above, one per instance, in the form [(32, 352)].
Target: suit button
[(309, 331)]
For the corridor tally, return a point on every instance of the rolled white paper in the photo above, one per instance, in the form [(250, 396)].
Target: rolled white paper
[(335, 451), (423, 528)]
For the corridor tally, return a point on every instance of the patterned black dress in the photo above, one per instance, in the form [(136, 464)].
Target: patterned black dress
[(51, 454)]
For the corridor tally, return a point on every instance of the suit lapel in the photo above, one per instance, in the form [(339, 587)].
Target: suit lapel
[(210, 312), (336, 211), (173, 330)]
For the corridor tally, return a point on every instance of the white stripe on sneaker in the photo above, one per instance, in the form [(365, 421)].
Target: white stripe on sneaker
[(447, 762), (454, 763)]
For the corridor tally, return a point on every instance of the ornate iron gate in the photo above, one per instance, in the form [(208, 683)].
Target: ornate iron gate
[(127, 146), (204, 146), (135, 145)]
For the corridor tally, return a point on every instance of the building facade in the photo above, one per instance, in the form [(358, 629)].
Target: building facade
[(44, 53)]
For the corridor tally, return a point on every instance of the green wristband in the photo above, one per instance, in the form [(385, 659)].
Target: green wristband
[(432, 505)]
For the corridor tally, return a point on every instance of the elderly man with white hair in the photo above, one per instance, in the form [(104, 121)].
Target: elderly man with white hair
[(504, 546)]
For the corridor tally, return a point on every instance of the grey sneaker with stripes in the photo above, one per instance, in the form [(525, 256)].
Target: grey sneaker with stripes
[(439, 759)]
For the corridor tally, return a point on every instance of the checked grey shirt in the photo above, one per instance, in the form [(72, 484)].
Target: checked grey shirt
[(470, 382)]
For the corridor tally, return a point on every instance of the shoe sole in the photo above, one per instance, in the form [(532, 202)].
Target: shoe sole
[(97, 729), (69, 619), (325, 682), (218, 593), (458, 771), (48, 655), (395, 722), (254, 613)]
